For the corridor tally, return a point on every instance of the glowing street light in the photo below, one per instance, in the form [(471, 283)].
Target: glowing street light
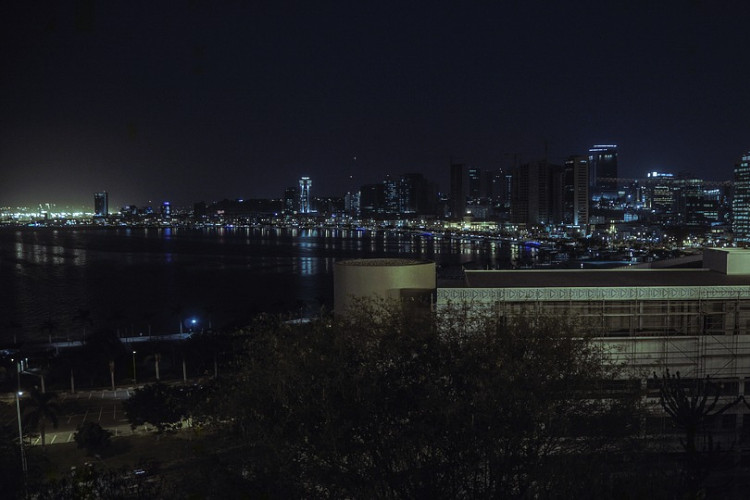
[(193, 324), (135, 379)]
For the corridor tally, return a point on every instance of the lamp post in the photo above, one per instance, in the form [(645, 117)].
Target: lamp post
[(135, 379), (20, 432)]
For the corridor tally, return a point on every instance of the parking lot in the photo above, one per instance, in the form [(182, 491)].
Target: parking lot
[(101, 406)]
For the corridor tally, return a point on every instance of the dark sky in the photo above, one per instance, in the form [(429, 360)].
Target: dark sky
[(202, 100)]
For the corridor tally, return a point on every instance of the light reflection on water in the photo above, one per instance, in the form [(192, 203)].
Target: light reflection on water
[(124, 275)]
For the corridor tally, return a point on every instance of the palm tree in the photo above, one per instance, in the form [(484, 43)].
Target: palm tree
[(15, 327), (209, 314), (49, 326), (116, 319), (149, 317), (177, 310), (43, 409), (84, 317)]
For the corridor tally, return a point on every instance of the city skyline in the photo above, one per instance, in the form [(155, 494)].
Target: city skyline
[(199, 102)]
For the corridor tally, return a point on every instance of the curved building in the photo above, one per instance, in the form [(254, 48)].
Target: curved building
[(396, 279)]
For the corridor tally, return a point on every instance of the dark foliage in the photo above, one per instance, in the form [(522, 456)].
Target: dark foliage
[(39, 409), (93, 482), (391, 403), (166, 406), (92, 437), (693, 407), (157, 404), (11, 474)]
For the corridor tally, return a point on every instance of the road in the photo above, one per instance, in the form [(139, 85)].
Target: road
[(101, 406)]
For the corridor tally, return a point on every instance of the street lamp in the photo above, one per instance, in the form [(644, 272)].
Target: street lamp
[(135, 380), (20, 432)]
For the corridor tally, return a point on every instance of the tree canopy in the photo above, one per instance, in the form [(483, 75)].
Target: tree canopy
[(389, 402)]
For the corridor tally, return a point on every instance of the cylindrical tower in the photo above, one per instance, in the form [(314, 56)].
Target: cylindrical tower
[(390, 279)]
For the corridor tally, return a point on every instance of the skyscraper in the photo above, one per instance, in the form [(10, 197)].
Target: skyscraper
[(291, 200), (304, 195), (603, 170), (416, 195), (390, 186), (537, 194), (101, 204), (576, 191), (372, 200), (475, 184), (458, 195), (741, 201)]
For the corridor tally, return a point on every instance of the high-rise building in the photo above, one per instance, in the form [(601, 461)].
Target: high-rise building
[(372, 200), (458, 194), (475, 184), (351, 203), (537, 194), (741, 201), (660, 192), (603, 170), (291, 200), (101, 204), (390, 187), (305, 183), (576, 191), (166, 210), (417, 195)]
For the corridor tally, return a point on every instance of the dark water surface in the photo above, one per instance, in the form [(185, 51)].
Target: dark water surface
[(62, 281)]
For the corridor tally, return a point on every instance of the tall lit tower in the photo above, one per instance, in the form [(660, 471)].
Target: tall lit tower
[(603, 169), (741, 201), (576, 191), (304, 195), (101, 204)]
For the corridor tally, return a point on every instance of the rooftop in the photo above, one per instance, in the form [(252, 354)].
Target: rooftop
[(382, 262), (598, 278)]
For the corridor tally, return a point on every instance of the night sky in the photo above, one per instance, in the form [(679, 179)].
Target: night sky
[(204, 100)]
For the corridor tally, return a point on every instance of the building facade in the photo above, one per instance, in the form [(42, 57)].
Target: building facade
[(603, 170), (741, 201), (576, 195), (305, 184), (537, 194), (101, 204), (696, 321)]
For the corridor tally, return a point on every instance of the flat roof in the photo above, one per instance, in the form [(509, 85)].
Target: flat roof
[(611, 278), (383, 262)]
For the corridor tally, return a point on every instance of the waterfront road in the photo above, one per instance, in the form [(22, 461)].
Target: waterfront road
[(101, 406)]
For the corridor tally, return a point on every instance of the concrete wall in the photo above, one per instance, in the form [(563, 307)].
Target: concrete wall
[(379, 278), (727, 260)]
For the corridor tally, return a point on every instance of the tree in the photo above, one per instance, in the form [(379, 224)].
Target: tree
[(178, 310), (693, 406), (43, 410), (102, 347), (157, 404), (92, 437), (49, 326), (393, 402), (11, 473), (83, 316), (95, 482)]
